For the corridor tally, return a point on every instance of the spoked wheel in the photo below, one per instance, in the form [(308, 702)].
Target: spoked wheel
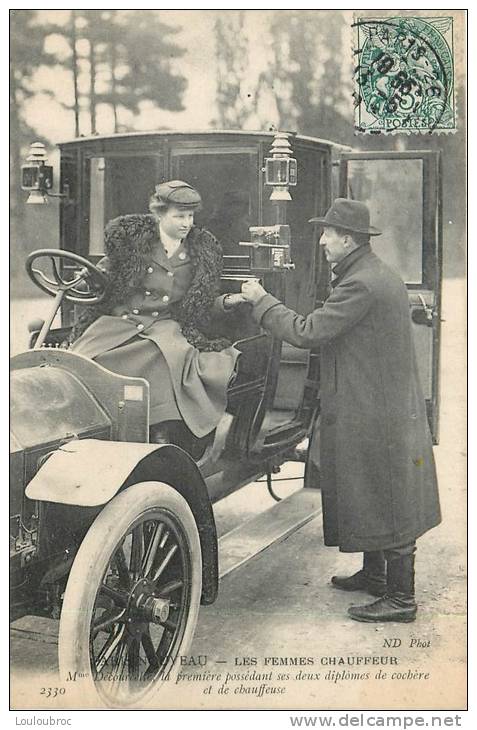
[(132, 599)]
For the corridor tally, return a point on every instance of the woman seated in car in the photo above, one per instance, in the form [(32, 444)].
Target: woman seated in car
[(164, 275)]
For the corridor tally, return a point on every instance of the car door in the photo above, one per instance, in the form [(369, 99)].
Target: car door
[(402, 190)]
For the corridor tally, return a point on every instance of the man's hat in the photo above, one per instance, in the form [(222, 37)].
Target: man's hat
[(177, 192), (350, 215)]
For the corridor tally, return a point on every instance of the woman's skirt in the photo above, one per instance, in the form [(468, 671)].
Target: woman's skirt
[(184, 383)]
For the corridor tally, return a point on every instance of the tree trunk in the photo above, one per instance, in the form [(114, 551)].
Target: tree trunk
[(17, 229), (92, 86), (74, 64), (113, 86), (15, 160)]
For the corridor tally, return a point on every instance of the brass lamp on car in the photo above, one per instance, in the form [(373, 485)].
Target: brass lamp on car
[(270, 245), (280, 168), (37, 176)]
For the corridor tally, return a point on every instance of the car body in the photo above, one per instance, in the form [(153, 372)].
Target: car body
[(114, 534)]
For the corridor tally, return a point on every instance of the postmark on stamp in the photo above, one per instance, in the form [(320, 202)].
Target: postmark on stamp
[(404, 74)]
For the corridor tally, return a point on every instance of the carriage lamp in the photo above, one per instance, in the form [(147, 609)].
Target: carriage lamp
[(281, 168), (270, 245), (37, 176), (269, 249)]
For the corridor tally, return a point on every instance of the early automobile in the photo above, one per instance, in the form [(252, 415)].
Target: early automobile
[(111, 534)]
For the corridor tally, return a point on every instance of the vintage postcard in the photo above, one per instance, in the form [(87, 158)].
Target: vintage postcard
[(218, 502)]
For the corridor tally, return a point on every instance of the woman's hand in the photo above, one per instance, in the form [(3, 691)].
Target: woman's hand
[(252, 291), (232, 300)]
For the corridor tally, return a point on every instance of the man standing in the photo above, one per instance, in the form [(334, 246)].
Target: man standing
[(378, 479)]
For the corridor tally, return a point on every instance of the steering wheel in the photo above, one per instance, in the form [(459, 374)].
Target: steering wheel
[(88, 285)]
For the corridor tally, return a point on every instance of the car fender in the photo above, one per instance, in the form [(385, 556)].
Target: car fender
[(90, 472)]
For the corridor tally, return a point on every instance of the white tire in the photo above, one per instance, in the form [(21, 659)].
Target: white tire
[(131, 603)]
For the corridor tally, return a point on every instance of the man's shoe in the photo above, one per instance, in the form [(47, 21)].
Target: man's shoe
[(361, 581), (399, 603), (398, 608), (371, 578)]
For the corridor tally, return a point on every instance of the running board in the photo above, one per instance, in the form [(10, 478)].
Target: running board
[(36, 628), (275, 524)]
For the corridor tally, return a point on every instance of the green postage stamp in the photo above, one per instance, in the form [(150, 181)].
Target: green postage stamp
[(404, 74)]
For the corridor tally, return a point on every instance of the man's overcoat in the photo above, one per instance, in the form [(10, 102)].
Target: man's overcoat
[(378, 479)]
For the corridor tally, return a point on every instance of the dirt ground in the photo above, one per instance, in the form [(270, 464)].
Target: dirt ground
[(278, 614)]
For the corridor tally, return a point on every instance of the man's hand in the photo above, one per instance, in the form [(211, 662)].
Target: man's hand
[(252, 291)]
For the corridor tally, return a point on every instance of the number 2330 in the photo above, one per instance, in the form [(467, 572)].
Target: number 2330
[(52, 691)]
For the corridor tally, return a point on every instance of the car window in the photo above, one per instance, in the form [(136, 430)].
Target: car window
[(393, 191), (119, 185), (227, 182)]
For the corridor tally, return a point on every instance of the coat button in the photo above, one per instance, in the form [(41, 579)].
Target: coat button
[(182, 255), (165, 298), (135, 311), (150, 269), (140, 327), (147, 293), (155, 314)]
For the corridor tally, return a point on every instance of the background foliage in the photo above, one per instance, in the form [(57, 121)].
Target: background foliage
[(292, 71)]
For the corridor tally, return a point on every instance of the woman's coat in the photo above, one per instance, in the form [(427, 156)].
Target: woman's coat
[(378, 477), (151, 322)]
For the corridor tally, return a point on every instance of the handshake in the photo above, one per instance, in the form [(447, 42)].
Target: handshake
[(252, 292)]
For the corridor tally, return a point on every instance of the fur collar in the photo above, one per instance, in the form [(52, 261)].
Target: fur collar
[(129, 241)]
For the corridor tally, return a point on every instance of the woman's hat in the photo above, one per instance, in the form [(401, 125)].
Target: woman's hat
[(177, 192), (350, 215)]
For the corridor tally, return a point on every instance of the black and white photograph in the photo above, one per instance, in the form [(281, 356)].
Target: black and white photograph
[(238, 408)]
